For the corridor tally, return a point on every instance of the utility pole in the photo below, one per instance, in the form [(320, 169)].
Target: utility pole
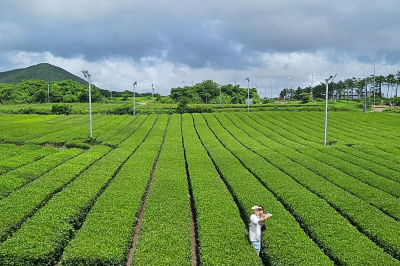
[(134, 84), (326, 107), (111, 90), (152, 93), (48, 91), (271, 87), (248, 94), (219, 94), (88, 75)]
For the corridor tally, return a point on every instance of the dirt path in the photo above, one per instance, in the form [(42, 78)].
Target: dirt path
[(379, 108), (140, 218)]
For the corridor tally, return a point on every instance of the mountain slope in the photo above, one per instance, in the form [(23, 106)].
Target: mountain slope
[(43, 71)]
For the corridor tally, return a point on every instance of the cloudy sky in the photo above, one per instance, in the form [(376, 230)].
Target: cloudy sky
[(177, 42)]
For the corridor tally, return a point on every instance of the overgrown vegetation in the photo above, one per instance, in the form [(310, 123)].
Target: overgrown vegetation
[(39, 91)]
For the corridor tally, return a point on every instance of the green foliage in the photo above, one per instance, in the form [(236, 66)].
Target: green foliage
[(305, 97), (23, 159), (209, 194), (182, 105), (166, 220), (103, 239), (331, 205), (167, 99), (267, 165), (209, 92), (61, 109), (293, 249), (51, 235), (267, 100), (43, 71), (36, 91), (18, 177)]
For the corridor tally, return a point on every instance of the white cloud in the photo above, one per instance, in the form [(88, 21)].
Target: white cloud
[(120, 72)]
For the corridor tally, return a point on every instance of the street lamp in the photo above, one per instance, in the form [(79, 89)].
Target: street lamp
[(134, 84), (365, 96), (286, 86), (271, 87), (87, 75), (312, 83), (219, 94), (248, 93), (152, 92), (375, 65), (326, 107)]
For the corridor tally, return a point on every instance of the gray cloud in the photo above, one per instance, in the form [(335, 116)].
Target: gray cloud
[(200, 33), (236, 36)]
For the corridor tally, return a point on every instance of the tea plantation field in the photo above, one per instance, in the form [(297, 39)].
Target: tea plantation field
[(178, 189)]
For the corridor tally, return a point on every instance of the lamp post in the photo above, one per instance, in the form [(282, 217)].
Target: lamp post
[(375, 65), (271, 87), (287, 87), (248, 93), (152, 93), (134, 84), (365, 97), (219, 94), (87, 75), (312, 83), (326, 107)]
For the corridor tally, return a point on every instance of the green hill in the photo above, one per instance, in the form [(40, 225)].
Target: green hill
[(43, 71)]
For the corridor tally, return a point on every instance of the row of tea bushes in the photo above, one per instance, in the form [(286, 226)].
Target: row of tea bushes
[(221, 232), (284, 241), (323, 223), (380, 228), (9, 150), (18, 177), (165, 232), (24, 202), (41, 239), (107, 233), (320, 164), (22, 159)]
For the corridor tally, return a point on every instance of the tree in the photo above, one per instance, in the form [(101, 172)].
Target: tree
[(182, 105), (339, 87), (125, 95), (391, 81), (305, 97)]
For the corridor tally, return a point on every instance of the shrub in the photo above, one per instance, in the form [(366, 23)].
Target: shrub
[(60, 109), (182, 105)]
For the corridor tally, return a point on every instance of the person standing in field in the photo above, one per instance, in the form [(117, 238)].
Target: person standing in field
[(256, 220)]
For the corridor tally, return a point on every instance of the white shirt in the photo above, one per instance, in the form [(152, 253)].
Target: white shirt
[(254, 228)]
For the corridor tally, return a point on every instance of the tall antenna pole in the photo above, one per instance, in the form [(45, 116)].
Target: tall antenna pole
[(248, 94), (152, 93), (134, 84)]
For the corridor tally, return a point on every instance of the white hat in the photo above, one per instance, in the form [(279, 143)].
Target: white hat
[(255, 208)]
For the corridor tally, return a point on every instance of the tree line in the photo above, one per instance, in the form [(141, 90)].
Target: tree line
[(350, 88), (39, 91), (211, 92), (66, 91)]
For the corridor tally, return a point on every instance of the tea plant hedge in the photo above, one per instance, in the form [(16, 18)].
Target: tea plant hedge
[(186, 185)]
